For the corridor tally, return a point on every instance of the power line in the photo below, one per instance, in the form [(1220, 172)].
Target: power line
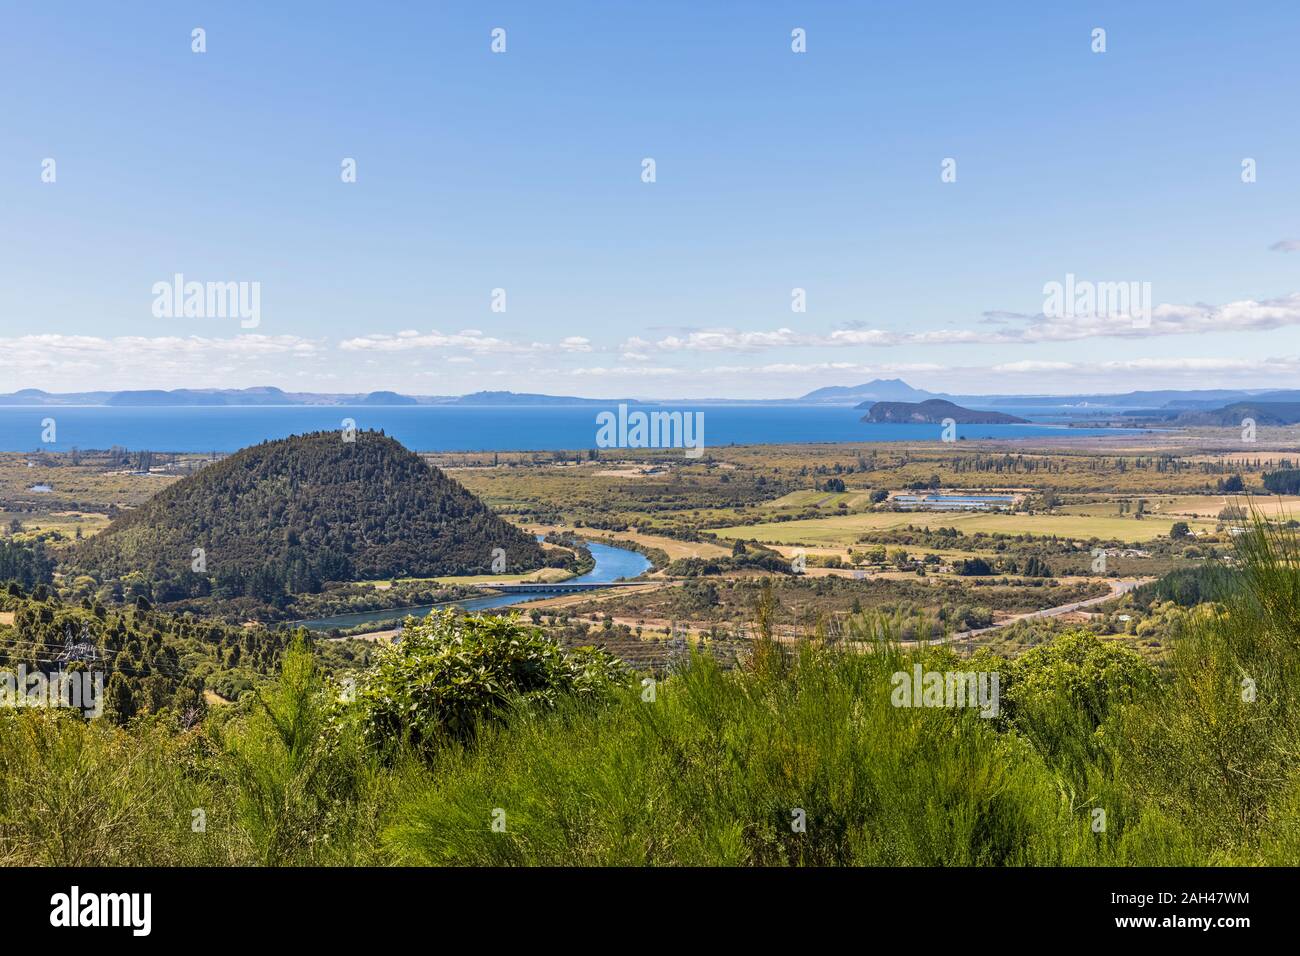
[(103, 663)]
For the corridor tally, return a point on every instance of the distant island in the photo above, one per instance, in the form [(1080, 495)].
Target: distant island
[(933, 411)]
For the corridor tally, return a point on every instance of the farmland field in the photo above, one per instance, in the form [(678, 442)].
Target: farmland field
[(828, 500), (845, 529)]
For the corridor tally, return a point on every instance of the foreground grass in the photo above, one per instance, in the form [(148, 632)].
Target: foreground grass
[(723, 770)]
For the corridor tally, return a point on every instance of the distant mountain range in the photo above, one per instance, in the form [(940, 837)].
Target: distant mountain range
[(269, 395), (878, 390)]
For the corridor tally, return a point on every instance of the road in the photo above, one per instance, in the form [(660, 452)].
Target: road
[(1116, 589)]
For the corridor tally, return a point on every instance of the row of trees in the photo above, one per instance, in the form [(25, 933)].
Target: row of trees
[(1285, 481)]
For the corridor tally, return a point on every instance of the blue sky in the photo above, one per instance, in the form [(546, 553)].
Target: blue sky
[(775, 170)]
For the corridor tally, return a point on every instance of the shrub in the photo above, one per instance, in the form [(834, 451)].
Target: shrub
[(973, 567), (449, 672)]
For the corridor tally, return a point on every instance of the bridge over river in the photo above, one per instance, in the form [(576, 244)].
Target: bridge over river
[(557, 587)]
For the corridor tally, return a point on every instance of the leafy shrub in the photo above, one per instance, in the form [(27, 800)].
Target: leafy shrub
[(450, 672)]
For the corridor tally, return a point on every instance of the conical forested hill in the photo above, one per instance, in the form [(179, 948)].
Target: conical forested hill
[(291, 514)]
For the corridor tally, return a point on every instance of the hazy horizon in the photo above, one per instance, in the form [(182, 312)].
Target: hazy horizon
[(661, 398)]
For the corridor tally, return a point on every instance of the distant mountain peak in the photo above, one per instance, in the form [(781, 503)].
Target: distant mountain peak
[(877, 390)]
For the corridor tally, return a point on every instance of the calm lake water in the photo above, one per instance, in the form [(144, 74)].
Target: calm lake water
[(611, 564), (460, 428)]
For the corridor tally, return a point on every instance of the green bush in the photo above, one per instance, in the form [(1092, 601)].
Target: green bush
[(448, 673)]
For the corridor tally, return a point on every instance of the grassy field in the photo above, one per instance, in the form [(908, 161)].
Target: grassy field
[(844, 529), (93, 480), (65, 522), (1188, 506), (656, 492), (947, 555), (822, 500)]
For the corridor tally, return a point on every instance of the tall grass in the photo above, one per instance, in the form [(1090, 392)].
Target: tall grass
[(297, 781), (720, 766), (277, 785), (77, 793), (1218, 746)]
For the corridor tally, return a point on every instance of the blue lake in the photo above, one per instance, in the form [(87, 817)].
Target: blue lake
[(460, 428), (611, 564)]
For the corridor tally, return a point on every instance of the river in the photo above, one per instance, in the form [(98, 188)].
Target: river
[(611, 564)]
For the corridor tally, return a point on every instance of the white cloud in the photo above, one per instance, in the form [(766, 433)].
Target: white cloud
[(730, 340), (21, 351), (1245, 315), (1029, 366), (631, 371), (1285, 365), (791, 368), (470, 340), (88, 362)]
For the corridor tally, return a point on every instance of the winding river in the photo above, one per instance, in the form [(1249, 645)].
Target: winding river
[(611, 564)]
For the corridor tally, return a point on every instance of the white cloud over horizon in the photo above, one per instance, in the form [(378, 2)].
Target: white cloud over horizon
[(1245, 315), (436, 362)]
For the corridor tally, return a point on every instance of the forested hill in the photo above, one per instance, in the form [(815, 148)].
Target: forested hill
[(1232, 416), (291, 514)]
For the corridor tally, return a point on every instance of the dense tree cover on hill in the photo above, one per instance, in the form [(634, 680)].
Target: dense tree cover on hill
[(25, 562), (1232, 416), (1188, 587), (286, 516), (152, 660)]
